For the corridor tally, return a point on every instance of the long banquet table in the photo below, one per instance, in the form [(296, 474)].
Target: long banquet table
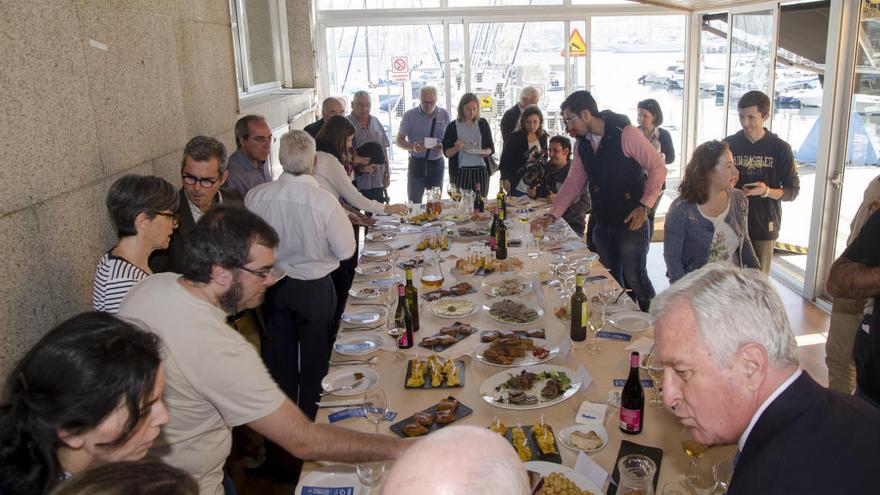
[(660, 427)]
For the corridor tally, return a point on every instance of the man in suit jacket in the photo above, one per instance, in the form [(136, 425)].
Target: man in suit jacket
[(203, 171), (731, 376), (528, 96)]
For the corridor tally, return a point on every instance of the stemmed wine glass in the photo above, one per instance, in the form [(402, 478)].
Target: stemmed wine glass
[(534, 250), (700, 478), (606, 290), (370, 474), (656, 373), (375, 406), (595, 325)]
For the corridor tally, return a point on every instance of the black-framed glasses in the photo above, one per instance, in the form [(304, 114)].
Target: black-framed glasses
[(173, 215), (206, 182), (275, 272)]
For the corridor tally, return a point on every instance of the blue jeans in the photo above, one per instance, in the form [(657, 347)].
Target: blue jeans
[(228, 485), (416, 186), (624, 253)]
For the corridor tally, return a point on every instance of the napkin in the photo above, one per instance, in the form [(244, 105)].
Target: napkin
[(584, 376), (642, 345), (585, 465), (564, 349), (591, 412)]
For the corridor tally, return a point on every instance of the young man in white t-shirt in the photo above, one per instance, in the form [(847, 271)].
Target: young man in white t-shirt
[(216, 380)]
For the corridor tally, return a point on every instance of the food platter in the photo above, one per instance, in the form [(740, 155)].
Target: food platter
[(358, 345), (630, 321), (454, 409), (506, 286), (454, 308), (367, 291), (467, 232), (514, 311), (525, 439), (434, 372), (528, 389), (547, 468), (536, 351), (565, 437), (447, 336), (373, 269)]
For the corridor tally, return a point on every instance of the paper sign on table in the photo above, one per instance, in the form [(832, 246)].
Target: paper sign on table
[(642, 345), (320, 490), (646, 382), (356, 412), (614, 335), (591, 412), (564, 349), (586, 466), (584, 376)]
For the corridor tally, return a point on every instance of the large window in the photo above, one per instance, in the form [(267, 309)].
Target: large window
[(713, 84), (257, 40)]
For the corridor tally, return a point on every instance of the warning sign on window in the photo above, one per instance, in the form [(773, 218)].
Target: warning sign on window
[(577, 47), (399, 68)]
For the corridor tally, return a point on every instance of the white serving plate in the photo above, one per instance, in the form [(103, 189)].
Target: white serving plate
[(437, 309), (490, 285), (373, 269), (527, 360), (358, 345), (630, 321), (368, 316), (345, 378), (531, 304), (565, 435), (489, 394)]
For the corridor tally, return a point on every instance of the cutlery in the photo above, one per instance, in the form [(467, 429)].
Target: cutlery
[(348, 362), (622, 292), (361, 328), (342, 389)]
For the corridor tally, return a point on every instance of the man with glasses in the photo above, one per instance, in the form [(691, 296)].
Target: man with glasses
[(421, 133), (203, 171), (625, 175), (249, 164), (215, 379)]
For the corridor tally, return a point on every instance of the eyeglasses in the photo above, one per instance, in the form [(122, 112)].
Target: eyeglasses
[(205, 182), (569, 120), (261, 139), (173, 215), (275, 272)]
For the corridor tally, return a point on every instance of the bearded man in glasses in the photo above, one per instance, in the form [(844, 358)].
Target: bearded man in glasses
[(203, 173)]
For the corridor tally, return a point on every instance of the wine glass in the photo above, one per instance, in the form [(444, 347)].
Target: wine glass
[(595, 324), (370, 474), (534, 250), (375, 406), (566, 275), (656, 374), (606, 290), (396, 332), (700, 477)]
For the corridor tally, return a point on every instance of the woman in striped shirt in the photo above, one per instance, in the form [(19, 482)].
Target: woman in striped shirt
[(143, 209)]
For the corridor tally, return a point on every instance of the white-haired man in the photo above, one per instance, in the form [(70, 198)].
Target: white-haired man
[(529, 95), (731, 375), (419, 125), (460, 460), (329, 107)]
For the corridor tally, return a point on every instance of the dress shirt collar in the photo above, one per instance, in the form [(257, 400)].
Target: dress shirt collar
[(196, 211), (304, 178), (776, 393)]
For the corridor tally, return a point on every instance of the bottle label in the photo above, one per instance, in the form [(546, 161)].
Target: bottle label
[(630, 420), (584, 314), (403, 341)]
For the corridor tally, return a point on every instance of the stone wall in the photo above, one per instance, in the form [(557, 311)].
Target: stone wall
[(91, 90)]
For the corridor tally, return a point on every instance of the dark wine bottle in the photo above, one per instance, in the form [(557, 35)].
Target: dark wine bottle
[(579, 311), (403, 320), (412, 299), (632, 400), (479, 206), (494, 229), (502, 198), (501, 238)]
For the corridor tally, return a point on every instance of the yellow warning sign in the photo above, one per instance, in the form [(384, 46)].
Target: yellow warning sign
[(577, 47), (485, 103)]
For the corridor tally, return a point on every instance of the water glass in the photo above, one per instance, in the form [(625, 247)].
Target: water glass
[(636, 475), (370, 474), (533, 248)]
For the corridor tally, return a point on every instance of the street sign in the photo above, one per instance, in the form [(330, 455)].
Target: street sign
[(577, 47), (399, 68), (486, 103)]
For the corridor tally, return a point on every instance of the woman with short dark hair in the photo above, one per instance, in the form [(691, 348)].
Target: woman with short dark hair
[(88, 393), (521, 146), (708, 222), (128, 477), (650, 118), (143, 208)]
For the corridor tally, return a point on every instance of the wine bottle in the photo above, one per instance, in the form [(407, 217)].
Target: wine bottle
[(403, 320), (412, 299), (501, 238), (479, 206), (632, 400), (494, 229), (579, 311), (502, 198)]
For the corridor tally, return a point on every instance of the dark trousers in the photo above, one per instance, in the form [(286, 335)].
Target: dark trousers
[(342, 276), (416, 183), (299, 319), (624, 253), (376, 194)]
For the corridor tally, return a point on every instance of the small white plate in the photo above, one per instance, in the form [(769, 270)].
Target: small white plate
[(441, 308), (328, 477), (373, 269), (367, 291), (373, 314), (376, 253), (564, 436), (492, 285), (381, 236), (545, 468), (345, 378), (358, 345), (631, 321)]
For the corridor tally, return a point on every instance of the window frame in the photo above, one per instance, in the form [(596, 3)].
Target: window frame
[(280, 49)]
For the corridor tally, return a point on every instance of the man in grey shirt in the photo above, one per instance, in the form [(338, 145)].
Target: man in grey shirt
[(249, 165), (421, 133), (371, 178)]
